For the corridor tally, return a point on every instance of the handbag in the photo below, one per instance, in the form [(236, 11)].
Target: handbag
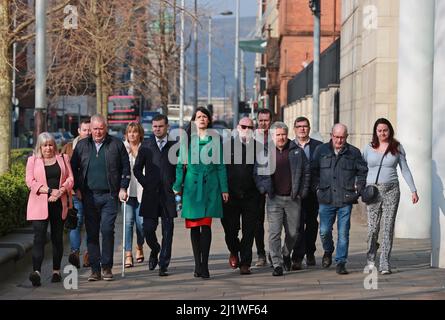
[(71, 217), (370, 193)]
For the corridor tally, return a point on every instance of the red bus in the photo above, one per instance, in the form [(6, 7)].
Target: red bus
[(121, 111)]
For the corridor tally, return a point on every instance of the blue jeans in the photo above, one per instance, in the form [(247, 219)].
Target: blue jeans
[(327, 219), (75, 237), (132, 217), (100, 215)]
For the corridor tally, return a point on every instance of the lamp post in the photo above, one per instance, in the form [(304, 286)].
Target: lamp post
[(195, 53), (236, 95), (40, 61), (181, 68), (209, 75), (315, 6)]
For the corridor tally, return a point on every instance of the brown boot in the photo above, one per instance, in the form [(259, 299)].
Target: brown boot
[(86, 262)]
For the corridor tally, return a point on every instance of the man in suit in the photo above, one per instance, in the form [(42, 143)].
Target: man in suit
[(309, 206), (264, 117), (156, 174)]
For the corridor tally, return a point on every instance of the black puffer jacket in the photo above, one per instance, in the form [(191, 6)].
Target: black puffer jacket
[(300, 170), (338, 178), (116, 158)]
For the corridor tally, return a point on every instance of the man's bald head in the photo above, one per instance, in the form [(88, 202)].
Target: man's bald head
[(339, 134)]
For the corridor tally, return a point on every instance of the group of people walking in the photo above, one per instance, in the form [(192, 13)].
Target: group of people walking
[(301, 186)]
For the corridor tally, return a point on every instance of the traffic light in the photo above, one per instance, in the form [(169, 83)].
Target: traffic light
[(243, 107), (315, 6)]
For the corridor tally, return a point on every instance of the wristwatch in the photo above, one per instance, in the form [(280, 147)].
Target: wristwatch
[(50, 191)]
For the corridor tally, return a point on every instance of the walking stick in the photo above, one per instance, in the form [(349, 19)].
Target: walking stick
[(124, 204)]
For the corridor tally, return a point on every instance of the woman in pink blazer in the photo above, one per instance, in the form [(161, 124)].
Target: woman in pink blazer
[(49, 178)]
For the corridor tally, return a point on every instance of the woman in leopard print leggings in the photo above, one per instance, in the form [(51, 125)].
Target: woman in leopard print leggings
[(385, 145)]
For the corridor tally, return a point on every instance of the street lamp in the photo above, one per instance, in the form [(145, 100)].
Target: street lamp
[(235, 105), (181, 67), (236, 95), (315, 6), (209, 76)]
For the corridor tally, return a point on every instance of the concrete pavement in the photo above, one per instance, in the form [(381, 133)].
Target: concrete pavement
[(412, 277)]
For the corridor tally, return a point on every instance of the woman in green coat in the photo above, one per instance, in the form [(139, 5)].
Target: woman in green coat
[(201, 175)]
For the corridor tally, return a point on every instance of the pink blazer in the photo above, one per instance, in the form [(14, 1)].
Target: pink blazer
[(35, 178)]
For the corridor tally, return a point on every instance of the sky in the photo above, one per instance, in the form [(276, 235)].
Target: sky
[(248, 8)]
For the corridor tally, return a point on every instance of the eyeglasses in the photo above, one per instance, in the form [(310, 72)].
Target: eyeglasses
[(245, 127), (303, 127), (339, 137)]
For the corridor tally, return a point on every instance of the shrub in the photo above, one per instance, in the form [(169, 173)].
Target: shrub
[(14, 193)]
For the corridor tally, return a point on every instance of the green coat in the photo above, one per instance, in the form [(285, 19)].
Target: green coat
[(204, 180)]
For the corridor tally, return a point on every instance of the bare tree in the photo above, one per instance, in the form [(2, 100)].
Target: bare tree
[(10, 33)]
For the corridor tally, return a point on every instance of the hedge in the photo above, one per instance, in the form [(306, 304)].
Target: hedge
[(14, 193)]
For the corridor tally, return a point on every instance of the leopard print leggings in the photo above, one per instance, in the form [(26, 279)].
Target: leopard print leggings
[(386, 208)]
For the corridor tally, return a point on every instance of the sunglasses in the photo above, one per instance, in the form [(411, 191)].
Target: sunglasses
[(245, 127)]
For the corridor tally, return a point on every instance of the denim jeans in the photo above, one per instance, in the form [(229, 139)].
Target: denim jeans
[(327, 218), (132, 217), (100, 211), (75, 236)]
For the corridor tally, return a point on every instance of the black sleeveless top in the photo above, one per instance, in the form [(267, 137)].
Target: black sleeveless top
[(52, 173)]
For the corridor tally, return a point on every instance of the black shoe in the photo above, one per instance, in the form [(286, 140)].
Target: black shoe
[(327, 260), (278, 271), (310, 260), (73, 258), (34, 277), (297, 265), (153, 260), (287, 263), (163, 272), (341, 268), (205, 274), (56, 277)]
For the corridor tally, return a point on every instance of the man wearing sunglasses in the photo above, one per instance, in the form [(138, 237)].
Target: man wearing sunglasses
[(243, 197)]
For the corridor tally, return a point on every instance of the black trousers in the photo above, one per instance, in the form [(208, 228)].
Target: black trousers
[(40, 228), (259, 230), (308, 228), (241, 214), (150, 225)]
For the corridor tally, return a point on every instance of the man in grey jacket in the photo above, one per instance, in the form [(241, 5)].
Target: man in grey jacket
[(339, 173), (284, 188)]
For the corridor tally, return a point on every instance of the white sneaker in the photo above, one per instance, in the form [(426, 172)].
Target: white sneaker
[(386, 272)]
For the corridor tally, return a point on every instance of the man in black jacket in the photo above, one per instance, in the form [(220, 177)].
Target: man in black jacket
[(101, 170), (243, 197), (305, 244), (156, 174), (285, 186), (339, 176)]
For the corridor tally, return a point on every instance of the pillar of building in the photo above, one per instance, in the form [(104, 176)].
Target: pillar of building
[(414, 113), (438, 154)]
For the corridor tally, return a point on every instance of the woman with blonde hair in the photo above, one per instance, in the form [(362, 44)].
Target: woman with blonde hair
[(134, 135), (50, 179)]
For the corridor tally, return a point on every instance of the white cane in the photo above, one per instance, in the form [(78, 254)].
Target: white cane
[(124, 204)]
